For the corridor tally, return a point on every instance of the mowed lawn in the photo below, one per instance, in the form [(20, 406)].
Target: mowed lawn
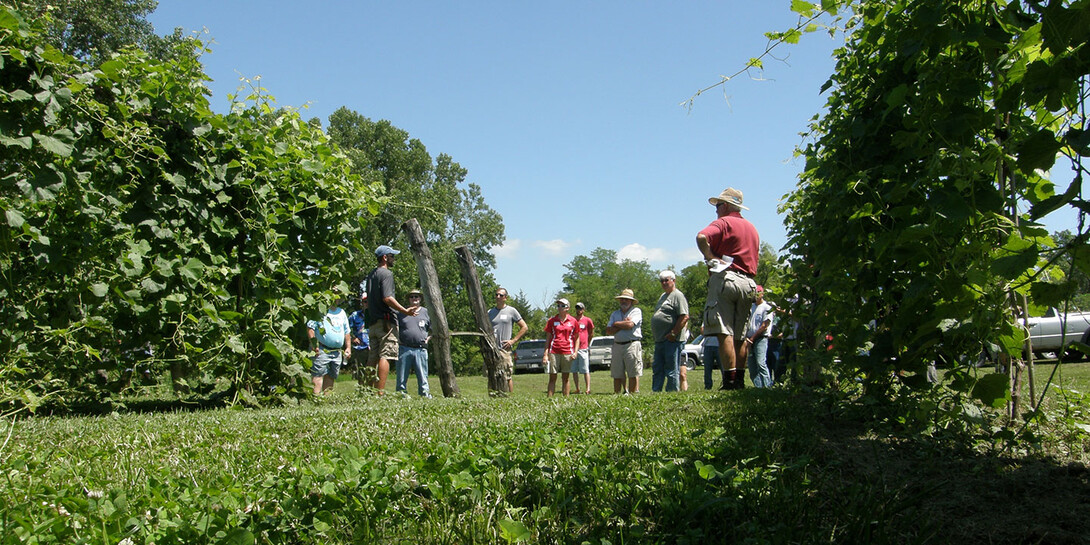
[(772, 466)]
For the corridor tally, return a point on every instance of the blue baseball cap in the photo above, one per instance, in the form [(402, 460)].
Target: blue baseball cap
[(385, 250)]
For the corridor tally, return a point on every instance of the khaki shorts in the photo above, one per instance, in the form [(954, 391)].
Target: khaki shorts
[(507, 368), (383, 336), (730, 298), (627, 360), (559, 363)]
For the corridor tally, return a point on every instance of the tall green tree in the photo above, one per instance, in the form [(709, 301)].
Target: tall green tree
[(452, 212), (533, 316), (92, 30), (597, 278)]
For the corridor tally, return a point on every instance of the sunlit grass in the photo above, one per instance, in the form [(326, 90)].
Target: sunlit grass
[(356, 467)]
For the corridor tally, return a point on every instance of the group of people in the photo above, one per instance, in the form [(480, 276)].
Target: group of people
[(737, 324), (381, 330)]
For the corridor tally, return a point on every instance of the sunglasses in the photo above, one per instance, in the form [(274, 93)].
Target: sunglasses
[(561, 305)]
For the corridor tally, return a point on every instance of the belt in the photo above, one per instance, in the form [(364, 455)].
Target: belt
[(625, 342), (736, 271), (414, 346), (330, 348)]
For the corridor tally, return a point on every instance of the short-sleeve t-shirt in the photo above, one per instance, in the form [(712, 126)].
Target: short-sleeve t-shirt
[(586, 331), (564, 332), (734, 236), (380, 285), (503, 321), (626, 335), (670, 308), (413, 330), (331, 329), (356, 323), (757, 316)]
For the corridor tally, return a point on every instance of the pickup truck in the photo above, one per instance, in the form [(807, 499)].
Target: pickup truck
[(528, 355), (1046, 331)]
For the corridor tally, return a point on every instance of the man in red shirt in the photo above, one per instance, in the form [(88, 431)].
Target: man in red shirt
[(730, 246)]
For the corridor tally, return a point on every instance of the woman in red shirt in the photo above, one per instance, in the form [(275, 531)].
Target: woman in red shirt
[(561, 344)]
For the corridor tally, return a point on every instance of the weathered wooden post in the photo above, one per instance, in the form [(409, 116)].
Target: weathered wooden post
[(433, 298), (490, 348)]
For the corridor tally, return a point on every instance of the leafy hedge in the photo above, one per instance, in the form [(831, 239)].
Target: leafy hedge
[(915, 226), (142, 229)]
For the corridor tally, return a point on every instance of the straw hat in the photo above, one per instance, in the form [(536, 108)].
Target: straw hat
[(729, 196), (627, 293)]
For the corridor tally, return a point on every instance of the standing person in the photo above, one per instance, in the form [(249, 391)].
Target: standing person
[(357, 324), (731, 247), (503, 319), (581, 366), (332, 345), (711, 359), (775, 345), (760, 326), (382, 326), (683, 372), (626, 326), (414, 332), (667, 323), (561, 344)]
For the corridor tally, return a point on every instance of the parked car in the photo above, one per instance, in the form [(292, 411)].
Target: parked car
[(601, 352), (528, 355), (1045, 332), (694, 353)]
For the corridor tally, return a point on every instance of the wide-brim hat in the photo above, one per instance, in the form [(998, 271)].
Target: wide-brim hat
[(729, 196), (627, 293)]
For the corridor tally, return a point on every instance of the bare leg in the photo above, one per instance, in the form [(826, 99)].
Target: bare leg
[(633, 385), (317, 384), (586, 383), (726, 358), (327, 384), (618, 385), (552, 384), (566, 388), (383, 372)]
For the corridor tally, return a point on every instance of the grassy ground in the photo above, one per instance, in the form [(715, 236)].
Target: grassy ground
[(772, 466)]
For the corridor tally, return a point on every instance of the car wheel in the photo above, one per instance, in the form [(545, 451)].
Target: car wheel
[(691, 362), (1071, 355)]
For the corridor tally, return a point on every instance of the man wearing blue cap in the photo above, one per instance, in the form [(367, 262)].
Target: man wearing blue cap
[(382, 325)]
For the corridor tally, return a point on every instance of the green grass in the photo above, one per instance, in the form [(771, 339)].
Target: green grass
[(774, 466)]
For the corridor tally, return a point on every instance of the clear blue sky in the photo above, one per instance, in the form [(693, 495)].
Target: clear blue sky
[(567, 114)]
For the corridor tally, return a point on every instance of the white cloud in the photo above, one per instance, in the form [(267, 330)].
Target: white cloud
[(555, 247), (689, 256), (639, 252), (509, 248)]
